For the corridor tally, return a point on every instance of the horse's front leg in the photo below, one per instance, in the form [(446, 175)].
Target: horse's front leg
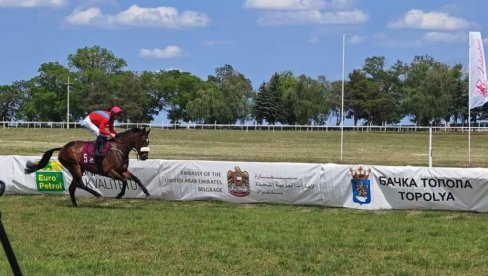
[(131, 176), (115, 175)]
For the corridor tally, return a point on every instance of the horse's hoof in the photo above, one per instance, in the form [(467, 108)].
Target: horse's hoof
[(118, 197), (148, 197)]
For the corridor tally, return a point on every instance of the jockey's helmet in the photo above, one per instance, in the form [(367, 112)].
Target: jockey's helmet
[(116, 110)]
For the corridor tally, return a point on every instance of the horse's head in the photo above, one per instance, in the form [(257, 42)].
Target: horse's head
[(142, 144), (138, 139)]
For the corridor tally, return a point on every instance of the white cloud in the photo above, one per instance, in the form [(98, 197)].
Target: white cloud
[(297, 12), (448, 37), (165, 17), (313, 17), (418, 19), (297, 4), (170, 51), (284, 4), (32, 3), (217, 42), (85, 17), (355, 39)]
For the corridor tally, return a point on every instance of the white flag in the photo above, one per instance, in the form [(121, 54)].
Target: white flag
[(478, 93)]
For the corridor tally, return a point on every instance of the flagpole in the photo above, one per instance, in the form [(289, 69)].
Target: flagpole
[(342, 92), (469, 102), (469, 135)]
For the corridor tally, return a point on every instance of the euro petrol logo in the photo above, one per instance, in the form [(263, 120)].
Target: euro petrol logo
[(361, 186), (50, 179)]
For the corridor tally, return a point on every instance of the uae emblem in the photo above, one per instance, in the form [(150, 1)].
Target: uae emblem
[(238, 182), (361, 188)]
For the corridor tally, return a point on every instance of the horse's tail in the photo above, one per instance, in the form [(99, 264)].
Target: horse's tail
[(32, 167)]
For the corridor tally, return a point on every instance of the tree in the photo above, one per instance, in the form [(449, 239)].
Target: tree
[(459, 107), (157, 87), (261, 106), (94, 68), (286, 92), (170, 90), (361, 93), (12, 99), (209, 105), (224, 98), (310, 105), (236, 91), (187, 86), (128, 93), (334, 100), (383, 103), (90, 59), (48, 93), (269, 104), (291, 100), (429, 90)]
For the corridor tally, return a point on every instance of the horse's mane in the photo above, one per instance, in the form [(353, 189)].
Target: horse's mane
[(122, 135)]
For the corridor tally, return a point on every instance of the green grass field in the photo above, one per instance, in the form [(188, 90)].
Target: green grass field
[(155, 237), (450, 149)]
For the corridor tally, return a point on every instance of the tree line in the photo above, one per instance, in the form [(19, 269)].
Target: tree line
[(427, 91)]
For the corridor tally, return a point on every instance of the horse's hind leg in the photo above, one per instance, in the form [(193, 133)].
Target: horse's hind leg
[(76, 174), (129, 175), (72, 189), (90, 190), (78, 182), (86, 188)]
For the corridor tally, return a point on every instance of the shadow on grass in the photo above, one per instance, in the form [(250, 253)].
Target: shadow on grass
[(101, 203)]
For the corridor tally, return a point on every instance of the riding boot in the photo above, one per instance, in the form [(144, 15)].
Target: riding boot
[(97, 156), (99, 145)]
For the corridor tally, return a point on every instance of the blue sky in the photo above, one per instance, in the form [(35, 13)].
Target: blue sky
[(256, 37)]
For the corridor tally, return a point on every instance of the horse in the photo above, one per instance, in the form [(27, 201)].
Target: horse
[(76, 157)]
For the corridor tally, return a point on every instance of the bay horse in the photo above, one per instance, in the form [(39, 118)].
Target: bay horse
[(76, 159)]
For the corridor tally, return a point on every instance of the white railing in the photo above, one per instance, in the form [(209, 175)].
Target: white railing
[(248, 127)]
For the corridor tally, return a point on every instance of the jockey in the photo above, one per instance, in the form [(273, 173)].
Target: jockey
[(97, 121)]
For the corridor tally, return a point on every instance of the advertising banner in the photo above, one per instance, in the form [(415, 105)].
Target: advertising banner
[(332, 185), (241, 182)]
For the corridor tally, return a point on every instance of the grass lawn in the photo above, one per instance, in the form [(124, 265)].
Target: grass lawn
[(449, 149), (138, 237)]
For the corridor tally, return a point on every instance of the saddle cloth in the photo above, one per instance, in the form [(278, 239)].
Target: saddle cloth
[(88, 150)]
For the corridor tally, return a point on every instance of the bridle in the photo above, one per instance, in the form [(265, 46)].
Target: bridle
[(141, 150)]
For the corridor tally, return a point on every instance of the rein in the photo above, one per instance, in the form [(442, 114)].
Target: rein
[(116, 150)]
